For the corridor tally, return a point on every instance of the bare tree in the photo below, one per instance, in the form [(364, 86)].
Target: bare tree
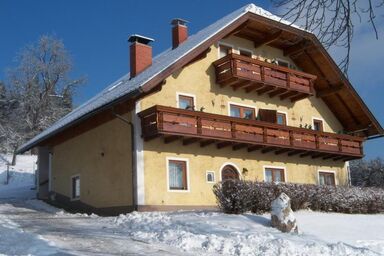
[(368, 173), (333, 21), (40, 90)]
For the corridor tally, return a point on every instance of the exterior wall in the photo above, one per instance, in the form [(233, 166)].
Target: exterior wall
[(103, 159), (250, 165), (198, 79)]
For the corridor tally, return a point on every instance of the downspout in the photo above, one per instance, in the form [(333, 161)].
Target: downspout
[(133, 157)]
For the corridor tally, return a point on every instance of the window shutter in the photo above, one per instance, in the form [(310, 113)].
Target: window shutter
[(268, 115)]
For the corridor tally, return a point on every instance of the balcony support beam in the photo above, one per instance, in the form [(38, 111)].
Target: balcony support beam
[(254, 148), (282, 151), (171, 138), (223, 144), (299, 97), (265, 89), (239, 146), (288, 94), (296, 152), (189, 141), (268, 149), (205, 143), (276, 92)]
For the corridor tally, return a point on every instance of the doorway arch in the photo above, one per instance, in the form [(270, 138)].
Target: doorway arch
[(229, 172)]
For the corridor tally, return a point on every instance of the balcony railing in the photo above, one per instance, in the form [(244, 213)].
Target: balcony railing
[(206, 128), (265, 78)]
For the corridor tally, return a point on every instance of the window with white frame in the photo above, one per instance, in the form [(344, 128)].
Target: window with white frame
[(75, 187), (224, 50), (274, 174), (210, 177), (327, 178), (186, 102), (177, 175)]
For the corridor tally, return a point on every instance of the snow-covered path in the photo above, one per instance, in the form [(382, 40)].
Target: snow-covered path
[(28, 229)]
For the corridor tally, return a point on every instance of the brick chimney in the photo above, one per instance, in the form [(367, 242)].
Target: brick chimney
[(140, 54), (179, 32)]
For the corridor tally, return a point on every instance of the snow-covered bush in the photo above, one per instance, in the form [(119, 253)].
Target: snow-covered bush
[(240, 196)]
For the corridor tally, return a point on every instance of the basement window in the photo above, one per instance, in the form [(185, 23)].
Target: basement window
[(75, 184)]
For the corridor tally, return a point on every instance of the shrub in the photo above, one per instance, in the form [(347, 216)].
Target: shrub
[(237, 196)]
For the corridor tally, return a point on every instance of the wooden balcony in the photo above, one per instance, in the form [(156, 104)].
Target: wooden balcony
[(263, 78), (199, 127)]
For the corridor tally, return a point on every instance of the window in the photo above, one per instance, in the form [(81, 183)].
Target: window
[(242, 112), (177, 175), (229, 173), (327, 178), (76, 187), (210, 177), (282, 63), (224, 50), (281, 118), (245, 53), (317, 125), (274, 175), (186, 102), (268, 115)]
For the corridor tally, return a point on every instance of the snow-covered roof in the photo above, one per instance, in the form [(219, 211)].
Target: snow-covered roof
[(124, 86)]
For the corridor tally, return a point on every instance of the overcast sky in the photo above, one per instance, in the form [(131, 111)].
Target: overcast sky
[(95, 32)]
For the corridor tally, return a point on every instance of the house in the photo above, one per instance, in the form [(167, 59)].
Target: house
[(248, 97)]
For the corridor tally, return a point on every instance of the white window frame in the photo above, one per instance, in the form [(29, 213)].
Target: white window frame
[(186, 95), (246, 50), (234, 165), (206, 176), (188, 178), (282, 60), (326, 171), (286, 115), (72, 188), (317, 118), (224, 44), (229, 103), (275, 167)]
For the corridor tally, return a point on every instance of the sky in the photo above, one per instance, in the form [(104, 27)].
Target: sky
[(95, 32)]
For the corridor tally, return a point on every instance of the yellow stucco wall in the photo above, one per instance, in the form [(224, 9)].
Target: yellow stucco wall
[(106, 181), (198, 79)]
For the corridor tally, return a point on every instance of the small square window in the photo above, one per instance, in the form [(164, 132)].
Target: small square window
[(317, 125), (186, 102), (76, 187), (327, 178), (281, 118), (274, 175), (210, 177)]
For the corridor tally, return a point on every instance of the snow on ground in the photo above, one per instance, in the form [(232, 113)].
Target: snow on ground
[(22, 176), (32, 227)]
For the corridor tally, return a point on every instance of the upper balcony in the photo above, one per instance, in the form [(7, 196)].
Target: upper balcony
[(195, 126), (252, 75)]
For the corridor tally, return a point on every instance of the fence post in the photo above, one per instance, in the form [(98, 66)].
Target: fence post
[(7, 180)]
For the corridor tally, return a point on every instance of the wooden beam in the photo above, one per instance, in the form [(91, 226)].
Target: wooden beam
[(239, 146), (190, 141), (170, 139), (268, 149), (288, 94), (309, 153), (241, 84), (282, 151), (328, 157), (299, 97), (223, 144), (253, 148), (252, 87), (265, 89), (350, 112), (238, 29), (329, 91), (277, 92), (295, 152), (338, 158), (206, 143), (319, 155), (297, 48), (269, 39)]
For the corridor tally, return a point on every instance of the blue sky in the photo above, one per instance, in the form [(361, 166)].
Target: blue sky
[(96, 32)]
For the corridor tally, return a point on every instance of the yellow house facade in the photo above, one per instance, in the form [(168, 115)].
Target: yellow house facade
[(249, 97)]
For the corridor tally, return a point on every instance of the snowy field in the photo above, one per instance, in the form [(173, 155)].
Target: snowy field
[(22, 177), (31, 227)]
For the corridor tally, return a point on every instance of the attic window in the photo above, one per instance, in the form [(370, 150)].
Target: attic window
[(224, 50), (282, 63)]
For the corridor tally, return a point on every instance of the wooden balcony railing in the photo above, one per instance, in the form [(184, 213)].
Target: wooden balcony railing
[(194, 126), (254, 75)]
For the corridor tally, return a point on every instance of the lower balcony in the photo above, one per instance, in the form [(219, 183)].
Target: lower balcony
[(224, 131)]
